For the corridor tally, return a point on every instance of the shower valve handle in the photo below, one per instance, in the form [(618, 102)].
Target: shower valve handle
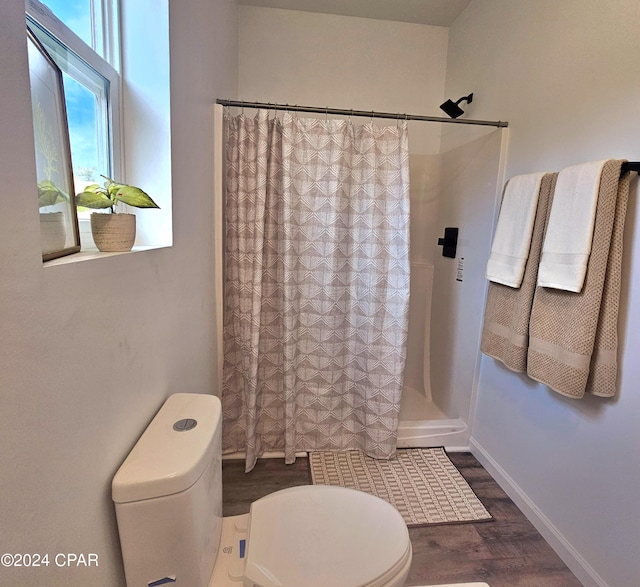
[(449, 243)]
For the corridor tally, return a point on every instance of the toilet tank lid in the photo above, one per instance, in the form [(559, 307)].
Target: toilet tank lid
[(168, 459)]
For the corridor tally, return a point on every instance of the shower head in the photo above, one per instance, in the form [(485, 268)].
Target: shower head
[(452, 109)]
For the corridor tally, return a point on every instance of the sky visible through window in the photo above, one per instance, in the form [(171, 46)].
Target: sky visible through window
[(83, 133), (76, 14), (82, 105)]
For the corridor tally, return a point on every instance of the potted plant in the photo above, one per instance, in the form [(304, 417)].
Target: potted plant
[(115, 231), (53, 234)]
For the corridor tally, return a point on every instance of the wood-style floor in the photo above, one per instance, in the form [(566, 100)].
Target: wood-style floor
[(507, 552)]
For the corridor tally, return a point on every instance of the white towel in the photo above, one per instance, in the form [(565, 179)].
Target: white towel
[(567, 243), (512, 240)]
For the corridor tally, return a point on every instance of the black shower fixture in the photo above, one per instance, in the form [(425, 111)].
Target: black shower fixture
[(452, 109)]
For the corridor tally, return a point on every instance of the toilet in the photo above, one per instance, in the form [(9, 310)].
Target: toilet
[(168, 501)]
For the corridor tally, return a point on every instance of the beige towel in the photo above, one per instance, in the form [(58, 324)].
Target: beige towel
[(512, 239), (505, 333), (573, 336), (567, 242)]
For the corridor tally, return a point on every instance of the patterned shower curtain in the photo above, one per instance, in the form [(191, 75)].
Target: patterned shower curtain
[(317, 285)]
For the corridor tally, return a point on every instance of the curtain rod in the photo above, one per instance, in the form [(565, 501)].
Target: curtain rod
[(342, 112)]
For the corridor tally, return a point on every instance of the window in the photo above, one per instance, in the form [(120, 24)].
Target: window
[(108, 91), (92, 21), (82, 38)]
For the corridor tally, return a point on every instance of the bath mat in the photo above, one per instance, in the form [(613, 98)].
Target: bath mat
[(422, 483)]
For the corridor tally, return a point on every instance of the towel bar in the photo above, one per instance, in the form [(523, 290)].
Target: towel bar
[(631, 166)]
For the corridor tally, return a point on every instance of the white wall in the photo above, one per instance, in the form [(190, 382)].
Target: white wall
[(91, 349), (146, 110), (312, 59), (566, 77)]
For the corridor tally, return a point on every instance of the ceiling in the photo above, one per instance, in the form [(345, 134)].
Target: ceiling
[(431, 12)]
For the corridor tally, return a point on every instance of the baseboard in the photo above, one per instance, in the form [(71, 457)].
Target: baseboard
[(576, 563)]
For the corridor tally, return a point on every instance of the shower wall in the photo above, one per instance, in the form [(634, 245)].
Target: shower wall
[(458, 188), (424, 171), (470, 186)]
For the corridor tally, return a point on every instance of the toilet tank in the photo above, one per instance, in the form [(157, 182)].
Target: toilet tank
[(168, 495)]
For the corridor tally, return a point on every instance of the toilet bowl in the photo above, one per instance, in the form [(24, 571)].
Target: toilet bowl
[(168, 501)]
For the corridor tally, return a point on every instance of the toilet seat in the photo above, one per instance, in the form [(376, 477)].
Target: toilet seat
[(319, 535)]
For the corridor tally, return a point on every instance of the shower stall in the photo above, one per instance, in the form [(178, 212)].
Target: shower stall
[(456, 176)]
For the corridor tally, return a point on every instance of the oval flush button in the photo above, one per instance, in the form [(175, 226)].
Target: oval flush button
[(185, 424)]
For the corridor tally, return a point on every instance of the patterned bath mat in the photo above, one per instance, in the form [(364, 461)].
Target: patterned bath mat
[(422, 483)]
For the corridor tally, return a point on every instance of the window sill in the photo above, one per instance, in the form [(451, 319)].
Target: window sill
[(95, 254)]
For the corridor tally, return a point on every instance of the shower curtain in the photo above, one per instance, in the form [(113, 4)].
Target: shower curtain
[(317, 285)]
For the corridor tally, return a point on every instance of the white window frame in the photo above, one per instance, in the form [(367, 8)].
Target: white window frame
[(107, 67)]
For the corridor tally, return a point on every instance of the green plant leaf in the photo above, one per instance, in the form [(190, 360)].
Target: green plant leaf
[(94, 188), (133, 196), (49, 193), (95, 200), (112, 188)]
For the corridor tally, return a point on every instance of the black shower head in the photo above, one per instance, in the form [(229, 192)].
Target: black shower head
[(452, 109)]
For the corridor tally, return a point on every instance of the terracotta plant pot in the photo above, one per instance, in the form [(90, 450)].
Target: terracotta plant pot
[(113, 233)]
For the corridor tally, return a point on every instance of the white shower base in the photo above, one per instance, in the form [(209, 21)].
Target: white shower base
[(423, 424)]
